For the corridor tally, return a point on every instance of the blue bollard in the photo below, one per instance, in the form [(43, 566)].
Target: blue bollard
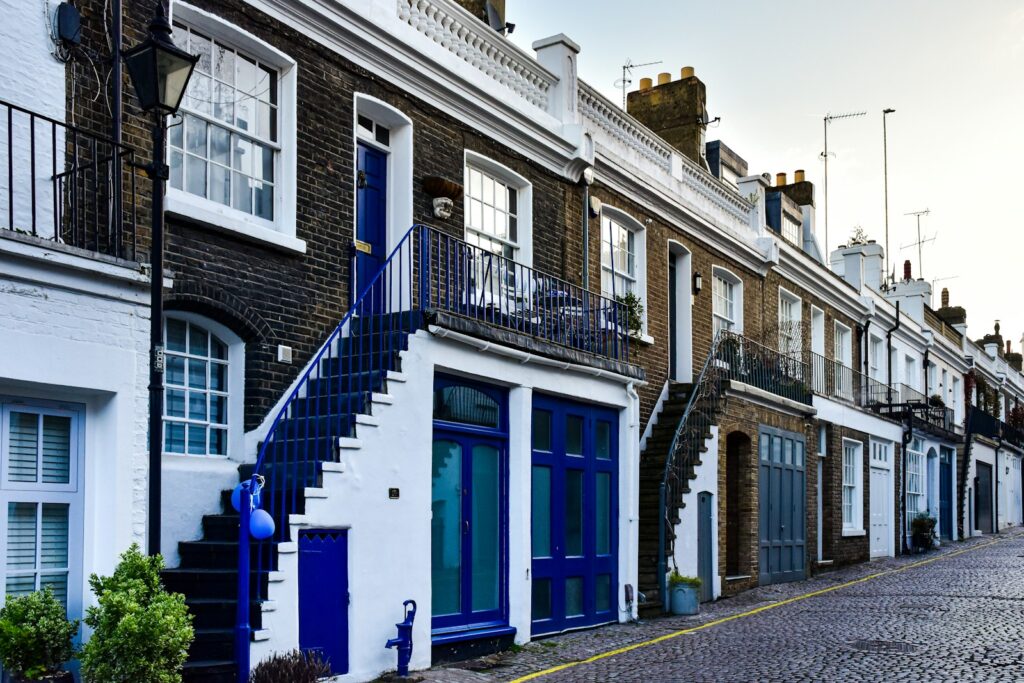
[(404, 640)]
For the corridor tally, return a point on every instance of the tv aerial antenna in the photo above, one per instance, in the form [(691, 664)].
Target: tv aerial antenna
[(920, 242), (627, 77)]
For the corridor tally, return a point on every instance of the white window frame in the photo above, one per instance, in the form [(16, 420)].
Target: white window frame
[(853, 487), (236, 386), (639, 277), (881, 454), (523, 245), (875, 349), (281, 232), (917, 490), (842, 353), (71, 494), (720, 321), (910, 374), (790, 329)]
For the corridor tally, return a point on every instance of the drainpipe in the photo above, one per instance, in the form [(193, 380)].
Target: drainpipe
[(927, 354), (908, 437), (865, 344), (888, 362), (585, 275), (116, 83), (995, 515)]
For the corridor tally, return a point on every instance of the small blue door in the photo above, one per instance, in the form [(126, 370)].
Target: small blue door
[(946, 494), (574, 516), (371, 215), (705, 531), (323, 595)]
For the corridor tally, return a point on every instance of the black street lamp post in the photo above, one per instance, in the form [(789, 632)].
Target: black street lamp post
[(160, 72)]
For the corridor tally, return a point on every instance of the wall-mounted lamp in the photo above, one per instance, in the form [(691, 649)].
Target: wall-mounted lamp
[(698, 283)]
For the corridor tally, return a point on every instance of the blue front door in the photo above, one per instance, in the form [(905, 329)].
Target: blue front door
[(371, 215), (783, 491), (574, 515), (469, 509), (946, 494), (323, 595)]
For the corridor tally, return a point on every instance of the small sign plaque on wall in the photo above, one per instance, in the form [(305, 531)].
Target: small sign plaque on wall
[(393, 493)]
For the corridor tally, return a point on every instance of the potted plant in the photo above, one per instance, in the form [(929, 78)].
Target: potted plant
[(140, 631), (922, 532), (682, 591), (935, 401), (35, 638), (634, 309)]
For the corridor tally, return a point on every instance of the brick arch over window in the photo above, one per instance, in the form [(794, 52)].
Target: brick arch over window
[(220, 306), (740, 504)]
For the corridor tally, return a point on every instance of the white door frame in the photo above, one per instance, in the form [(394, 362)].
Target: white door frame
[(887, 494)]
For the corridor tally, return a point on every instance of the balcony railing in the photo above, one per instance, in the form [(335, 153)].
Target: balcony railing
[(836, 380), (463, 279), (984, 424), (63, 184), (744, 360)]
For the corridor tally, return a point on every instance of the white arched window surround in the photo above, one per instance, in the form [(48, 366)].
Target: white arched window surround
[(399, 149), (621, 219), (235, 382), (726, 288), (523, 244), (281, 231)]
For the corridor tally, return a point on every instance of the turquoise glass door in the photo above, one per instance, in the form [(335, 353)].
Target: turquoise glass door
[(469, 513), (573, 515)]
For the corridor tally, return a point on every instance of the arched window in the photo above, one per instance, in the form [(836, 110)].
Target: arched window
[(202, 386)]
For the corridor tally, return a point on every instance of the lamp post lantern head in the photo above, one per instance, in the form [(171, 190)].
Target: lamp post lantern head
[(159, 69)]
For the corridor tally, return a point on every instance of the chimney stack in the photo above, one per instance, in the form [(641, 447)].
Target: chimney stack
[(906, 270), (675, 110), (945, 297), (1008, 349)]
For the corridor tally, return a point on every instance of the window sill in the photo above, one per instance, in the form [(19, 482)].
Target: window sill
[(228, 220), (457, 636), (849, 533), (645, 339)]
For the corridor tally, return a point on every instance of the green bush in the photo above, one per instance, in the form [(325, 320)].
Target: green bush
[(141, 632), (634, 309), (35, 635), (677, 579), (293, 667)]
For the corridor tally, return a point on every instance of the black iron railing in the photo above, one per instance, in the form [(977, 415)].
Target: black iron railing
[(61, 183), (992, 427), (744, 360), (833, 379)]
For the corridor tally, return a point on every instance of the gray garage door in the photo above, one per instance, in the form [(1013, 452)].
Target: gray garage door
[(782, 482)]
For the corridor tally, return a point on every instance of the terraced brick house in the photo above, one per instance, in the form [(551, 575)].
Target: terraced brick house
[(488, 342)]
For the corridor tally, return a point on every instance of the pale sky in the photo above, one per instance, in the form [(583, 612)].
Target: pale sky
[(951, 69)]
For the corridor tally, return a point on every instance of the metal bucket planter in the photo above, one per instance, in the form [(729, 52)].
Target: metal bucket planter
[(683, 592)]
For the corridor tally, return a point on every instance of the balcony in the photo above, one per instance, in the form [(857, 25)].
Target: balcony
[(740, 359), (992, 427), (488, 295), (62, 184)]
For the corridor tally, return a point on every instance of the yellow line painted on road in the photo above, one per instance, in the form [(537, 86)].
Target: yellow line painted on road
[(750, 613)]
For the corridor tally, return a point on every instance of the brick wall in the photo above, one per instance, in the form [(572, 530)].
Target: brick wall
[(269, 296)]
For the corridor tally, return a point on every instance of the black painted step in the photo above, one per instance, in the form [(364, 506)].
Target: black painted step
[(213, 644), (337, 403), (207, 554), (209, 671), (370, 359), (220, 612), (212, 583), (220, 527)]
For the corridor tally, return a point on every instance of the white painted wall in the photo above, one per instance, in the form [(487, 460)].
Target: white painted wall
[(984, 453), (30, 77), (686, 546), (389, 540), (78, 330)]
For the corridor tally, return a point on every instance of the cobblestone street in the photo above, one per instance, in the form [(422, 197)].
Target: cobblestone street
[(954, 615)]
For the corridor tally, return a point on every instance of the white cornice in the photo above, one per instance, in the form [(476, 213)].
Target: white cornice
[(814, 278), (371, 35)]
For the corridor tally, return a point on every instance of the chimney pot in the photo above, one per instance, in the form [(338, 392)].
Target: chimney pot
[(1008, 350), (798, 176), (945, 297), (906, 270), (646, 84), (686, 72), (664, 78), (780, 179)]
